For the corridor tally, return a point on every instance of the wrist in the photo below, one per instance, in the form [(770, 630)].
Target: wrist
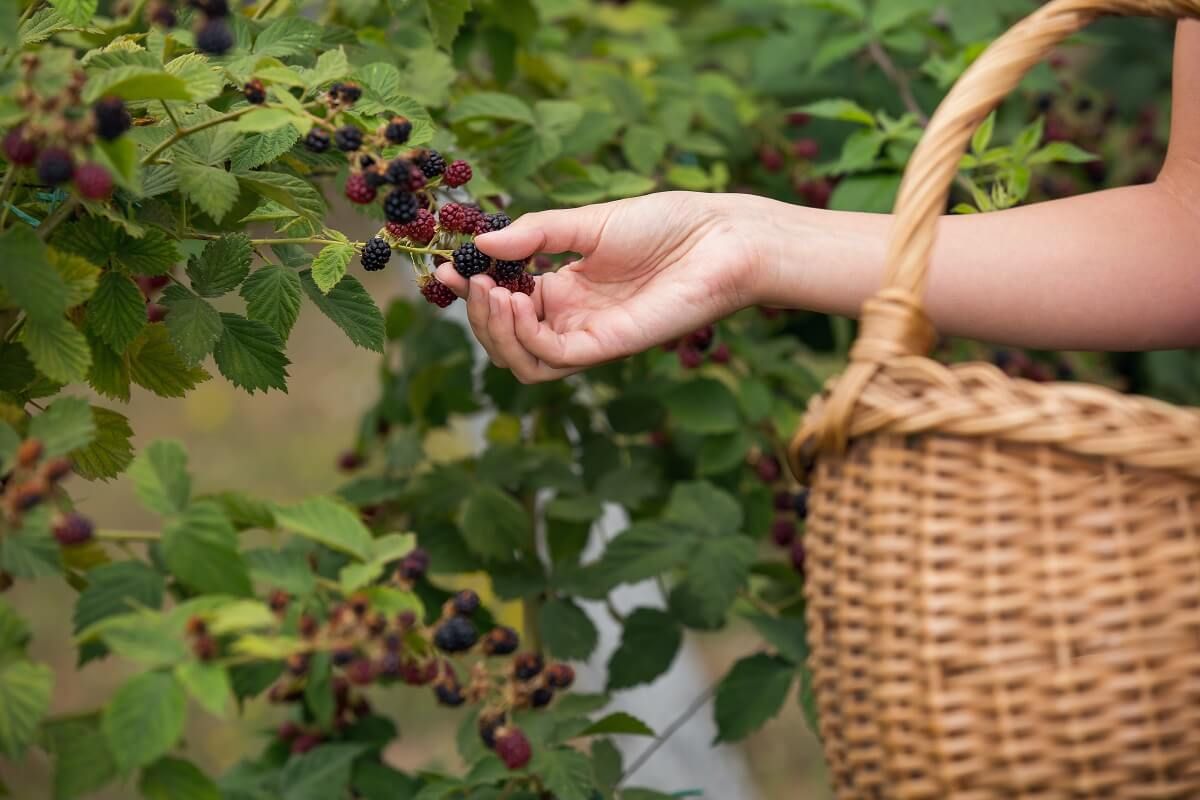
[(782, 236)]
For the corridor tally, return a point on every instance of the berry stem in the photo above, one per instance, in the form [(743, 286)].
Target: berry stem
[(10, 177), (128, 536), (263, 8), (898, 79), (167, 108), (61, 213), (183, 133)]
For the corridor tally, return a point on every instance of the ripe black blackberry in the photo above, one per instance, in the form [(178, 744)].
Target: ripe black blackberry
[(560, 675), (212, 8), (111, 117), (527, 666), (375, 254), (401, 207), (523, 283), (431, 163), (541, 697), (255, 92), (455, 635), (375, 178), (466, 603), (489, 722), (508, 270), (449, 695), (73, 529), (317, 140), (349, 93), (501, 641), (161, 14), (414, 565), (495, 222), (343, 656), (469, 261), (800, 503), (214, 36), (348, 138), (55, 166), (19, 149), (398, 130)]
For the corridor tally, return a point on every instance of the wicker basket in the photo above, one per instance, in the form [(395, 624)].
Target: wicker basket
[(1003, 576)]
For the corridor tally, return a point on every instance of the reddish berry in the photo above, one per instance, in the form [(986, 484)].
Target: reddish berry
[(278, 600), (798, 556), (57, 469), (55, 166), (204, 648), (73, 529), (18, 150), (436, 292), (783, 531), (196, 626), (359, 189), (770, 158), (799, 119), (508, 270), (361, 672), (419, 231), (527, 666), (29, 453), (720, 354), (768, 469), (405, 620), (93, 181), (308, 626), (702, 338), (512, 747), (305, 742), (156, 312), (414, 565), (350, 461), (560, 676), (659, 439), (783, 501), (255, 92), (816, 192), (458, 173), (27, 495), (501, 641), (690, 357), (418, 674), (522, 284), (297, 664), (288, 731), (456, 218), (807, 149)]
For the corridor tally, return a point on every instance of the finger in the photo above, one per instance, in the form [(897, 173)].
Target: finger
[(502, 327), (575, 230), (478, 311), (574, 350), (447, 274)]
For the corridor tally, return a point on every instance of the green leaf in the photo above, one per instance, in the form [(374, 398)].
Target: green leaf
[(753, 692), (319, 774), (871, 193), (192, 323), (176, 779), (83, 763), (1061, 152), (113, 589), (10, 440), (272, 296), (32, 551), (200, 549), (160, 477), (567, 630), (324, 520), (212, 189), (155, 364), (491, 105), (254, 151), (287, 190), (135, 82), (642, 551), (331, 65), (57, 349), (144, 719), (79, 275), (149, 639), (117, 311), (250, 355), (77, 12), (351, 308), (838, 109), (702, 507), (287, 36), (644, 147), (42, 25), (718, 568), (567, 773), (25, 690), (445, 18), (493, 524), (648, 646), (788, 635), (65, 425), (27, 277), (264, 120), (624, 183), (618, 722), (109, 374), (330, 265), (286, 569), (203, 78), (703, 405), (208, 684), (221, 266), (983, 135)]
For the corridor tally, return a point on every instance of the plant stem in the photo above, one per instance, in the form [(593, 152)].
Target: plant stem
[(262, 10), (128, 536), (898, 79), (321, 241), (171, 114), (531, 609), (182, 133), (9, 178), (61, 213), (678, 723)]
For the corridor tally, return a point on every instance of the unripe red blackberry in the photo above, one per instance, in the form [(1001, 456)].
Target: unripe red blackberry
[(466, 602), (398, 130), (783, 531), (359, 190), (690, 357), (420, 231), (457, 174), (204, 648), (431, 163), (500, 641), (375, 254), (29, 452), (816, 192), (527, 666), (455, 217), (702, 339), (494, 222), (782, 500), (361, 672), (513, 747), (469, 261), (522, 284), (305, 742), (419, 674), (159, 12), (308, 626), (770, 158), (797, 555), (57, 469), (111, 117), (278, 600), (488, 723), (401, 207), (560, 675), (414, 565), (254, 92), (455, 635), (541, 697), (195, 626), (214, 36), (806, 149), (156, 312), (298, 663), (768, 468), (348, 138), (437, 293), (55, 166), (508, 270), (93, 181), (19, 150), (405, 620), (317, 140), (287, 731), (798, 119), (720, 354), (73, 529), (351, 460), (27, 495)]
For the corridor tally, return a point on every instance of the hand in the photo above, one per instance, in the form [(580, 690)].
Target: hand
[(654, 268)]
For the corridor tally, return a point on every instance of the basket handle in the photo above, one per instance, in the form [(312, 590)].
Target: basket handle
[(893, 323)]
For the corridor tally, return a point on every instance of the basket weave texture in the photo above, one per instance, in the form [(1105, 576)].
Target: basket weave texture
[(1003, 577)]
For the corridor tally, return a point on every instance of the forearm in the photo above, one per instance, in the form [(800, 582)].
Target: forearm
[(1115, 270)]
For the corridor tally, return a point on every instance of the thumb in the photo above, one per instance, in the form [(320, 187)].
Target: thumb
[(575, 230)]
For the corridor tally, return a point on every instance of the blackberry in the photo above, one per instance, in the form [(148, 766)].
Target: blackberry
[(455, 635), (29, 452), (806, 149), (375, 178), (527, 666), (93, 181), (449, 695), (702, 339), (541, 697), (375, 254), (437, 293), (416, 674), (455, 218), (783, 531), (57, 470), (800, 503), (405, 175), (317, 140), (213, 8), (457, 174), (278, 601), (55, 166), (1044, 102), (770, 158), (204, 648), (768, 469), (720, 354), (495, 222), (156, 312), (358, 189), (297, 664), (288, 730), (513, 747), (783, 501), (469, 261), (343, 656), (73, 529), (690, 357), (308, 626), (401, 207), (254, 92), (431, 163), (214, 37), (19, 150), (466, 603), (421, 230), (349, 93), (560, 676), (798, 556), (161, 14), (414, 565), (361, 672), (489, 722), (348, 138), (501, 641), (305, 742), (522, 284), (398, 130), (508, 270)]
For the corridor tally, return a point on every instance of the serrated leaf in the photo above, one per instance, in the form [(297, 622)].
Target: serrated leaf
[(838, 109), (82, 761), (567, 630), (155, 364), (785, 634), (331, 65), (77, 12), (324, 520), (265, 120), (221, 266), (718, 568), (618, 722), (383, 92), (491, 105), (202, 78), (160, 477), (144, 719), (212, 189), (25, 689), (330, 265), (57, 349), (703, 405), (192, 323), (78, 274), (445, 18), (250, 355), (117, 311), (350, 306), (287, 36), (287, 190), (42, 25), (176, 779), (10, 440), (149, 639), (493, 524), (200, 548), (567, 773), (319, 774), (66, 424), (753, 692), (115, 589), (272, 296), (208, 685), (702, 507), (27, 277), (254, 151), (649, 643), (135, 82)]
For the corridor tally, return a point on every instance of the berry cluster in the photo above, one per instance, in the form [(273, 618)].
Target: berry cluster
[(693, 348), (213, 34), (796, 153), (32, 481), (58, 130), (791, 509)]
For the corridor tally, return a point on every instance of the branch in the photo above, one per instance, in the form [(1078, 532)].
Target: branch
[(898, 79), (670, 731), (182, 133)]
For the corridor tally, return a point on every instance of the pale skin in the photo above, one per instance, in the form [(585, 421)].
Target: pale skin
[(1112, 270)]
